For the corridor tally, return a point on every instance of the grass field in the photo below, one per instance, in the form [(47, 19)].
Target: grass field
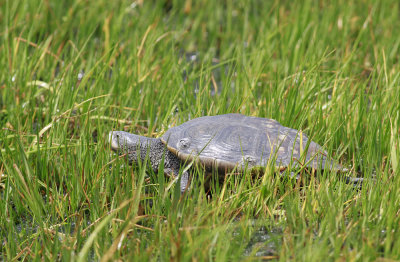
[(71, 71)]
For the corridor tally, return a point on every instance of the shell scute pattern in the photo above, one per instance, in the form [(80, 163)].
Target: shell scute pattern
[(234, 139)]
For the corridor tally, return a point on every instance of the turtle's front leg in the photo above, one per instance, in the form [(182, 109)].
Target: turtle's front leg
[(184, 186), (184, 182)]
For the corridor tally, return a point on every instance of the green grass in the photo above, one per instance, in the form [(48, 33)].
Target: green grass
[(71, 71)]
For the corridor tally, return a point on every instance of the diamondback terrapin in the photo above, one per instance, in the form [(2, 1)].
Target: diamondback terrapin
[(224, 142)]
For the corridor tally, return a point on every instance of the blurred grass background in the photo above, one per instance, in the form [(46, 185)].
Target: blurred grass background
[(71, 71)]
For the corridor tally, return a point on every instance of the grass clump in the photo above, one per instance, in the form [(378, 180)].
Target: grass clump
[(71, 71)]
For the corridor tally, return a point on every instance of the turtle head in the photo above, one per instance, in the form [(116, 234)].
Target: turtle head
[(124, 142), (120, 139)]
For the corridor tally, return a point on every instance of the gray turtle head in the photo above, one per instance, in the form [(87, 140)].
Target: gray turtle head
[(123, 140), (131, 144)]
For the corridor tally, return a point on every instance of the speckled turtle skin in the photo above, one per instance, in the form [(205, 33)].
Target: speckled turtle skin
[(139, 147), (224, 142)]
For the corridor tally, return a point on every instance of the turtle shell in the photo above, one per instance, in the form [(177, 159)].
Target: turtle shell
[(228, 141)]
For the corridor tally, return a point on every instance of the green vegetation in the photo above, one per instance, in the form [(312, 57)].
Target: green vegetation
[(71, 71)]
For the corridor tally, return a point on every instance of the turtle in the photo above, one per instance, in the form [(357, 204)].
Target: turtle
[(224, 143)]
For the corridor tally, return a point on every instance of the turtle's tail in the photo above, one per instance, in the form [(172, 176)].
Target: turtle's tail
[(355, 181)]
